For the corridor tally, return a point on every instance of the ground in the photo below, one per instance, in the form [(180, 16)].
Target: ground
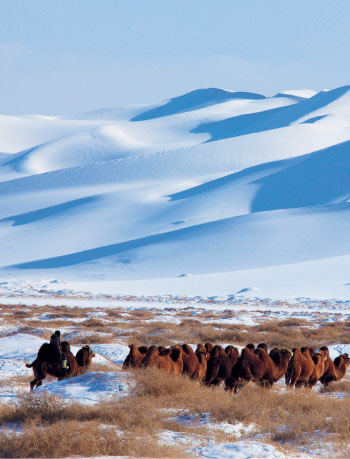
[(177, 416)]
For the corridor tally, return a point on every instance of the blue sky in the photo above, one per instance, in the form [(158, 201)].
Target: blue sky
[(66, 56)]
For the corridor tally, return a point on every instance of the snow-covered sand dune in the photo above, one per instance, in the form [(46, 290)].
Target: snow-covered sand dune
[(230, 188)]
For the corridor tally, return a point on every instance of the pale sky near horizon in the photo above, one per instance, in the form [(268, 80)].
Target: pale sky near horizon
[(69, 56)]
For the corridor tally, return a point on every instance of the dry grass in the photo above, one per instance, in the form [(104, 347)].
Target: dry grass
[(110, 366), (53, 427), (68, 439), (91, 338), (93, 323), (293, 332), (341, 386), (286, 333), (290, 417), (293, 415), (115, 313)]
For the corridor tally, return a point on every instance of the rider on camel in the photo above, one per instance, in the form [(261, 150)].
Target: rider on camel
[(57, 349)]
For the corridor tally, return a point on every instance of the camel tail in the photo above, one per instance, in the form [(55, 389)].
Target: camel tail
[(30, 365)]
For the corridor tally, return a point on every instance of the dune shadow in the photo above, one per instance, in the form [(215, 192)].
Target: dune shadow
[(244, 176), (194, 100), (314, 119), (47, 212), (318, 178), (90, 255), (269, 119)]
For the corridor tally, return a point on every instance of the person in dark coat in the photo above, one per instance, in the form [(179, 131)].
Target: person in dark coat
[(60, 356)]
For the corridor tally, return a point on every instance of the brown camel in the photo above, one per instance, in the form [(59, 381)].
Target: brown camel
[(300, 368), (320, 359), (135, 356), (276, 365), (280, 358), (46, 363), (220, 364), (194, 363), (201, 369), (259, 367), (336, 370), (241, 373), (209, 347), (201, 348), (169, 360), (84, 358), (189, 359)]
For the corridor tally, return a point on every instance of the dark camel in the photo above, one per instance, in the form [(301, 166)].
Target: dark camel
[(46, 363)]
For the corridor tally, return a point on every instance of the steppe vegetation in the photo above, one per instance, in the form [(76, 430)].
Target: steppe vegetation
[(47, 425)]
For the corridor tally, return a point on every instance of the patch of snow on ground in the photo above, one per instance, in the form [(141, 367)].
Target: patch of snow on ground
[(115, 352), (91, 388)]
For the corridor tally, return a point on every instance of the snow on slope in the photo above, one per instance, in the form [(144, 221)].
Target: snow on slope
[(206, 183)]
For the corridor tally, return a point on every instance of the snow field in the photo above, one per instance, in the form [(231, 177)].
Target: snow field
[(210, 191)]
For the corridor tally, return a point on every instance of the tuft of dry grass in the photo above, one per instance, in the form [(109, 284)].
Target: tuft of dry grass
[(108, 366), (93, 323), (91, 338), (340, 386), (68, 439)]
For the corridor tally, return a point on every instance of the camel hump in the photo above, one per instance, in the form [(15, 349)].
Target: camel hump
[(201, 356), (250, 346), (246, 353), (325, 349), (164, 353), (201, 348), (232, 351), (65, 347), (187, 349), (143, 349), (217, 351), (275, 355), (261, 353), (176, 354)]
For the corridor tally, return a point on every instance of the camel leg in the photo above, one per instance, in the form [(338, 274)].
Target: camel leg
[(35, 383), (40, 373), (295, 376)]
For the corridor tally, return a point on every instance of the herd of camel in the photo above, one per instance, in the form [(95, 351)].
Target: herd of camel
[(212, 364)]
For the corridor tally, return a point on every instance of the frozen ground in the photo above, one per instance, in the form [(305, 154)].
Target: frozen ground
[(24, 328)]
